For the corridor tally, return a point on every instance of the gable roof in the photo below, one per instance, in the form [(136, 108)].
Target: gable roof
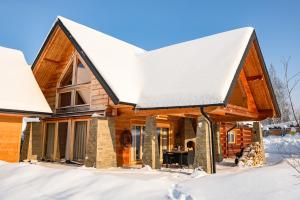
[(200, 72), (19, 91)]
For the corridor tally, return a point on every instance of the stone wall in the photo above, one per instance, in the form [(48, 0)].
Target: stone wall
[(203, 145), (91, 146), (101, 150), (217, 143), (188, 131), (150, 148)]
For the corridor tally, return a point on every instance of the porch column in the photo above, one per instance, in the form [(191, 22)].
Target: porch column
[(101, 149), (257, 136), (150, 148), (218, 145), (203, 154), (32, 146)]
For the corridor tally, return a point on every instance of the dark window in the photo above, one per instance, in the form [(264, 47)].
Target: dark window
[(67, 79), (65, 99), (82, 97), (62, 138)]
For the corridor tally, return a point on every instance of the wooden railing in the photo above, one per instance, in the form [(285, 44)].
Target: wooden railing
[(73, 109)]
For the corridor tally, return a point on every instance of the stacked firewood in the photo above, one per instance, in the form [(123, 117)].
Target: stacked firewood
[(252, 155)]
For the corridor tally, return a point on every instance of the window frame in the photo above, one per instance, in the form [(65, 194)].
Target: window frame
[(75, 57), (233, 134)]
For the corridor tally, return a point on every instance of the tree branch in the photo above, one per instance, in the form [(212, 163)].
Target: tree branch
[(295, 84), (295, 75)]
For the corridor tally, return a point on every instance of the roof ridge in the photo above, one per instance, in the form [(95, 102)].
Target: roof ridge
[(61, 18), (201, 38)]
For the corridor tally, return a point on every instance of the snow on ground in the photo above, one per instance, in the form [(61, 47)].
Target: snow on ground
[(41, 182), (288, 144), (279, 179)]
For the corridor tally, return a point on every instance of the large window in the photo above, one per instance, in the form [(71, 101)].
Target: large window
[(80, 136), (74, 86), (138, 141), (49, 141)]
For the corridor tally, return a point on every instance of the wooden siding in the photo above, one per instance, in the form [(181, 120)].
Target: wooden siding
[(243, 137), (52, 64), (10, 138), (123, 123)]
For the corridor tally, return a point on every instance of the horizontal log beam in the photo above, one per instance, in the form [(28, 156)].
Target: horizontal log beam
[(254, 78), (238, 113), (172, 111)]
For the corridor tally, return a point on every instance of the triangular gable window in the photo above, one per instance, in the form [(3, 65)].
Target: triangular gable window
[(83, 75), (82, 97), (68, 76), (74, 86)]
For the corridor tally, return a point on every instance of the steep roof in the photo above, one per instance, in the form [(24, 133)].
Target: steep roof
[(193, 73), (197, 72), (19, 91)]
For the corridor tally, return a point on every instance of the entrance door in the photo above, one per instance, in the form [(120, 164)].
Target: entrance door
[(49, 144), (80, 135), (62, 139)]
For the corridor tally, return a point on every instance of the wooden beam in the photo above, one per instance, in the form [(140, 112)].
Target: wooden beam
[(50, 42), (52, 61), (250, 99), (255, 78), (171, 111)]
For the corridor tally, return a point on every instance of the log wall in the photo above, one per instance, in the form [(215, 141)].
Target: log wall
[(242, 139)]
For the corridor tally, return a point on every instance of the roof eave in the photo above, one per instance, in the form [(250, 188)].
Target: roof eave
[(16, 111), (253, 38)]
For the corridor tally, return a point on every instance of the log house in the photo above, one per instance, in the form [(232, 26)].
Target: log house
[(115, 104)]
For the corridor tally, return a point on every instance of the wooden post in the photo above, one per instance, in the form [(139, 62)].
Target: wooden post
[(68, 145), (55, 148)]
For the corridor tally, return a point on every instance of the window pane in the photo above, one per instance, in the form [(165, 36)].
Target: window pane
[(82, 97), (62, 138), (230, 137), (67, 79), (80, 140), (49, 148), (83, 75), (164, 137), (65, 99), (158, 138)]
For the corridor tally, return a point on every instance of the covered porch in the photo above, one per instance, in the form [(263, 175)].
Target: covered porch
[(183, 137)]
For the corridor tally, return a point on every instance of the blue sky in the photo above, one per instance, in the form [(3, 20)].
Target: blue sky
[(157, 23)]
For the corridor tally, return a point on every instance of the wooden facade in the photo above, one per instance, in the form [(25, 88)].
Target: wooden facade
[(249, 99), (10, 137)]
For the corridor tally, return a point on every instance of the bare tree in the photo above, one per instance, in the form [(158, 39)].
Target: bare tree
[(290, 83), (281, 96)]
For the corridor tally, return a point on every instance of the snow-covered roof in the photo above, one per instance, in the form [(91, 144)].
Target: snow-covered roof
[(197, 72), (19, 90)]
